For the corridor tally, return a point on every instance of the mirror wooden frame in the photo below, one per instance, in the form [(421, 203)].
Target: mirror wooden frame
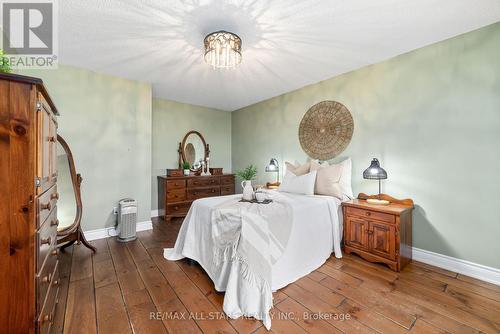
[(182, 153), (73, 233)]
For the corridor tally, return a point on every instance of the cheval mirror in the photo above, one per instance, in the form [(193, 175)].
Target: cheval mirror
[(195, 150), (69, 207)]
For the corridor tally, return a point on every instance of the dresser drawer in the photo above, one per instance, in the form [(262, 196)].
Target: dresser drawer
[(227, 190), (371, 214), (45, 204), (48, 275), (193, 194), (47, 313), (176, 195), (46, 238), (178, 209), (176, 184), (227, 180), (203, 182)]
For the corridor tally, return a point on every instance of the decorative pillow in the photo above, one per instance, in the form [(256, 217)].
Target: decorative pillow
[(345, 178), (298, 169), (303, 184), (327, 180)]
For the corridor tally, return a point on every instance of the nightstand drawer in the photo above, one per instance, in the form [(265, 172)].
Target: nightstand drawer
[(371, 214)]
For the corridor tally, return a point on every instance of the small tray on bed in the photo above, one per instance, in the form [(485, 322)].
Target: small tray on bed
[(266, 201)]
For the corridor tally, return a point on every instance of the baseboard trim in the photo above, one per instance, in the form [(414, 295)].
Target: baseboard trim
[(479, 271), (154, 213), (107, 232)]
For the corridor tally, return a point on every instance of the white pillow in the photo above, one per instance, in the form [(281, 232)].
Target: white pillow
[(345, 178), (303, 184), (327, 180), (298, 169)]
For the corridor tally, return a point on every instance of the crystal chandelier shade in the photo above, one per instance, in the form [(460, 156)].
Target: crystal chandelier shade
[(222, 49)]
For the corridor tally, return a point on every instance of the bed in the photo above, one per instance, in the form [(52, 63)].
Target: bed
[(250, 250)]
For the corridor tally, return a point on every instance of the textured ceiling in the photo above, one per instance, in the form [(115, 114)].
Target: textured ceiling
[(287, 44)]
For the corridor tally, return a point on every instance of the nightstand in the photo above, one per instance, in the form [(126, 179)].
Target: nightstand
[(379, 233)]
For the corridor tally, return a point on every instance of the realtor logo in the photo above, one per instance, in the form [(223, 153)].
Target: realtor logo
[(29, 32)]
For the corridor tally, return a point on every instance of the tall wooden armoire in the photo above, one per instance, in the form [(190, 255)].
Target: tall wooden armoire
[(29, 282)]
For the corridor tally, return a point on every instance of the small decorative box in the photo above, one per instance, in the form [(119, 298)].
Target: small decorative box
[(175, 172), (215, 171)]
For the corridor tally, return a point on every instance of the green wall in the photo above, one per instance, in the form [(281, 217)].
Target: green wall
[(107, 123), (171, 121), (431, 116), (122, 138)]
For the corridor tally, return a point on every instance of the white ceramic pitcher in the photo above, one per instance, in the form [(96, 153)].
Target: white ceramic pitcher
[(247, 190)]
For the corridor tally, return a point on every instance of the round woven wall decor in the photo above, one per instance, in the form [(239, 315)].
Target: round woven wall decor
[(326, 130)]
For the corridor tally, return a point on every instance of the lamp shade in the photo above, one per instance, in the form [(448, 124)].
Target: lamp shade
[(375, 172), (273, 166)]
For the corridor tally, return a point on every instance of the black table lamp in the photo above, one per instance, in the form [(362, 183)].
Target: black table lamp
[(274, 167), (375, 172)]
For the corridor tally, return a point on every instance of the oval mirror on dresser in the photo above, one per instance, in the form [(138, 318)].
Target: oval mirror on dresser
[(194, 150)]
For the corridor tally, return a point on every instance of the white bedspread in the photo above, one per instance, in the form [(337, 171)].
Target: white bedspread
[(314, 231)]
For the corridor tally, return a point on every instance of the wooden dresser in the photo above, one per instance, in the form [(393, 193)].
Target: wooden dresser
[(28, 206), (379, 233), (176, 193)]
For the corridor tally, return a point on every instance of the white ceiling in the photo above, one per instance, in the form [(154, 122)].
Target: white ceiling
[(287, 44)]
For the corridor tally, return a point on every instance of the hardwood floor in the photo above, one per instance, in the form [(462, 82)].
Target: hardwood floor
[(131, 288)]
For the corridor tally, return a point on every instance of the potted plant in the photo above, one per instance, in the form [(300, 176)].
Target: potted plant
[(4, 63), (186, 167), (247, 175)]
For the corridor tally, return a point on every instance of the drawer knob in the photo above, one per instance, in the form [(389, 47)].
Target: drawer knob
[(56, 282), (176, 208), (47, 278), (54, 222), (52, 139), (48, 317), (54, 196), (46, 241), (213, 190), (368, 213), (55, 252), (46, 206)]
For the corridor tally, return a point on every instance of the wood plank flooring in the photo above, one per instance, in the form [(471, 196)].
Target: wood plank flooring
[(131, 288)]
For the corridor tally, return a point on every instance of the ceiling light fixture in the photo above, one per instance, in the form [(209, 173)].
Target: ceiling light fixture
[(222, 49)]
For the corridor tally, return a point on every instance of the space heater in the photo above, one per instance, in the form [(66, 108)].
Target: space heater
[(127, 220)]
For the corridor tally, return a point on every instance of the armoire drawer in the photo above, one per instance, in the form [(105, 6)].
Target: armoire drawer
[(46, 238), (48, 275), (193, 194), (47, 314), (46, 203)]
